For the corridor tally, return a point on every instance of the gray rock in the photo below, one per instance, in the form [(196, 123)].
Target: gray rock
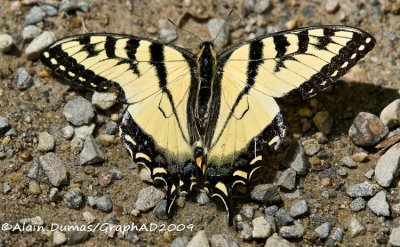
[(145, 175), (222, 240), (357, 204), (6, 43), (261, 228), (271, 220), (84, 132), (356, 228), (323, 230), (295, 231), (160, 210), (23, 79), (394, 239), (337, 234), (54, 168), (111, 128), (104, 101), (59, 238), (348, 162), (46, 142), (49, 9), (367, 129), (180, 241), (276, 241), (387, 166), (148, 198), (4, 126), (370, 174), (73, 198), (296, 158), (35, 15), (379, 204), (54, 195), (38, 44), (6, 188), (247, 211), (288, 179), (115, 173), (266, 193), (362, 190), (331, 6), (324, 154), (323, 121), (79, 111), (246, 230), (214, 27), (298, 209), (390, 115), (168, 35), (67, 132), (199, 239), (30, 32), (283, 218), (91, 153), (36, 172), (72, 5), (311, 146), (262, 6), (77, 237), (91, 201), (248, 6), (104, 203), (272, 210), (342, 172), (396, 208), (203, 199)]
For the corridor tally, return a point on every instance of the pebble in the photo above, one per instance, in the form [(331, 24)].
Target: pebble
[(91, 201), (348, 162), (396, 208), (71, 5), (283, 218), (379, 204), (148, 198), (271, 210), (390, 115), (34, 188), (222, 240), (180, 241), (23, 79), (394, 239), (266, 194), (73, 198), (324, 154), (323, 121), (323, 230), (295, 231), (145, 175), (261, 228), (77, 237), (337, 234), (276, 241), (35, 15), (67, 132), (357, 204), (79, 111), (367, 129), (168, 35), (214, 27), (54, 168), (387, 166), (6, 43), (321, 138), (46, 142), (4, 126), (6, 188), (104, 101), (111, 128), (262, 6), (203, 199), (246, 230), (365, 189), (105, 140), (199, 239), (370, 173), (36, 172), (288, 179), (91, 153), (311, 147), (296, 158), (30, 32), (104, 203), (248, 6), (342, 172), (247, 211), (298, 209), (117, 174), (54, 195), (160, 211), (84, 131), (331, 6), (356, 228), (360, 157), (272, 223), (59, 238), (38, 44), (49, 9)]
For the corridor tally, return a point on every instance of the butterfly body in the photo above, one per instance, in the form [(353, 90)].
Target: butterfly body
[(200, 121)]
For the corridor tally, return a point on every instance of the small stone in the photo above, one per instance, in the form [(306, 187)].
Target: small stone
[(370, 173), (394, 239), (283, 218), (323, 230), (214, 27), (295, 231), (296, 158), (104, 203), (160, 211), (50, 10), (36, 172), (348, 162), (360, 157), (38, 44), (323, 121), (271, 210), (111, 128), (23, 79), (168, 35), (262, 6), (356, 228), (54, 168), (91, 153), (79, 111), (180, 241), (246, 230), (315, 161), (77, 237), (145, 175), (326, 181), (248, 6), (331, 6), (311, 146), (321, 138), (67, 132), (357, 204), (91, 201), (84, 131), (54, 195), (266, 193), (342, 172), (298, 209), (46, 142), (222, 240), (261, 228), (35, 15), (4, 126), (117, 174), (290, 24), (337, 234), (59, 238), (324, 154), (362, 190), (34, 188), (396, 208), (276, 241), (148, 198), (6, 43), (88, 217), (379, 204), (247, 211), (105, 140), (73, 198), (6, 188), (72, 5), (367, 129), (288, 179), (390, 115), (30, 32), (199, 239), (104, 101), (387, 166)]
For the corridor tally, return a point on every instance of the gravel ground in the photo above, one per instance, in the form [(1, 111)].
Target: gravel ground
[(62, 163)]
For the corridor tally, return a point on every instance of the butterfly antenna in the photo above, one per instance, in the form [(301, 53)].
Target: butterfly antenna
[(194, 35), (226, 21)]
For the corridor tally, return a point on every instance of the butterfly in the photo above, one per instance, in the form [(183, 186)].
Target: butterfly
[(199, 122)]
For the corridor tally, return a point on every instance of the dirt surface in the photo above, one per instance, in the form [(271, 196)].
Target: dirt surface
[(368, 87)]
